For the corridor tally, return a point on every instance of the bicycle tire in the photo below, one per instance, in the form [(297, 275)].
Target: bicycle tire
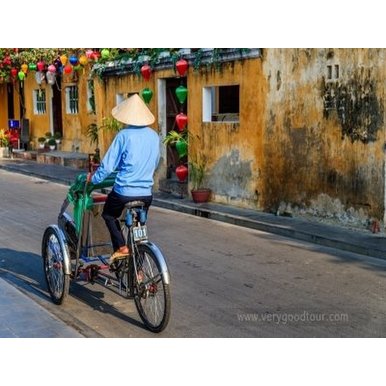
[(152, 293), (58, 282)]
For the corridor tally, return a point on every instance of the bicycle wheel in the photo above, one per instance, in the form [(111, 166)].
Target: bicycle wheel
[(152, 293), (58, 282)]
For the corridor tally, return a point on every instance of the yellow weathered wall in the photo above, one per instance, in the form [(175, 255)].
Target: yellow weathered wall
[(234, 150), (75, 126), (311, 159)]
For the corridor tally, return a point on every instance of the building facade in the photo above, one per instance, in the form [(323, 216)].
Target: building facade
[(296, 131)]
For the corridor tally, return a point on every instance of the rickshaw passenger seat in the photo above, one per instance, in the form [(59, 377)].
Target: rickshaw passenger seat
[(99, 197)]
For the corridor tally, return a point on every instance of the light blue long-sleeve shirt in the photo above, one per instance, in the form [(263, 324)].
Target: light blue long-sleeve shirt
[(134, 154)]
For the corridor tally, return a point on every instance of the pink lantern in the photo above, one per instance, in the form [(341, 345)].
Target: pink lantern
[(51, 68), (90, 54)]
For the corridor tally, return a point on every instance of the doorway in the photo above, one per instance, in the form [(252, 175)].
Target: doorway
[(57, 122), (173, 107)]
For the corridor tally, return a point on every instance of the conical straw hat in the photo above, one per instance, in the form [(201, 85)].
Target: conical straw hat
[(133, 111)]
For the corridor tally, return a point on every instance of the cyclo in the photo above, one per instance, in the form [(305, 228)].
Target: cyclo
[(72, 250)]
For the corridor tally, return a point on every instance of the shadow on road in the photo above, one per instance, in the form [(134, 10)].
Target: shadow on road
[(24, 270)]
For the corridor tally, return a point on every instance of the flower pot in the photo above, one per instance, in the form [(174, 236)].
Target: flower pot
[(201, 195), (4, 152), (41, 145)]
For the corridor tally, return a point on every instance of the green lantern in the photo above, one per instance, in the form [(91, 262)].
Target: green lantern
[(105, 53), (32, 66), (181, 148), (147, 94), (21, 75), (181, 93)]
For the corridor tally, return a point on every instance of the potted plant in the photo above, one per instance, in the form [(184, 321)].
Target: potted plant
[(52, 143), (58, 137), (41, 141), (4, 144), (197, 173)]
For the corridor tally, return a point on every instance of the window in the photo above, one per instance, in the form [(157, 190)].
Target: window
[(221, 104), (90, 97), (39, 100), (72, 100)]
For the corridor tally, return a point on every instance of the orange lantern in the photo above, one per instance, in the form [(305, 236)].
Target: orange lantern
[(63, 58), (83, 60), (24, 67)]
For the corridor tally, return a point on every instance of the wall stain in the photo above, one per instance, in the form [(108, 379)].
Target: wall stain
[(357, 107)]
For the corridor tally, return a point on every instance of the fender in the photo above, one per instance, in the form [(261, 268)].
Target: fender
[(63, 247), (161, 260)]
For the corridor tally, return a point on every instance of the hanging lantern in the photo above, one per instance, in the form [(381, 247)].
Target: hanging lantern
[(7, 61), (40, 65), (146, 71), (21, 75), (63, 59), (182, 148), (32, 67), (73, 60), (13, 72), (182, 67), (24, 67), (83, 60), (39, 76), (89, 54), (51, 77), (105, 53), (181, 120), (51, 68), (77, 67), (96, 55), (147, 94), (68, 69), (181, 93), (181, 172)]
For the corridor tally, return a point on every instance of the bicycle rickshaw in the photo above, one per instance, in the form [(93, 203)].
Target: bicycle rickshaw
[(75, 249)]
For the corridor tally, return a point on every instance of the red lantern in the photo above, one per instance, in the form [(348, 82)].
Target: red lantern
[(146, 71), (14, 72), (181, 120), (40, 65), (181, 172), (182, 67), (68, 69)]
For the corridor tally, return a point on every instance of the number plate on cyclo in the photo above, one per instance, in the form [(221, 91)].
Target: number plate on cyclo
[(140, 233)]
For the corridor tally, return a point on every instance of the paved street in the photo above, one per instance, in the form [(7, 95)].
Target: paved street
[(227, 281)]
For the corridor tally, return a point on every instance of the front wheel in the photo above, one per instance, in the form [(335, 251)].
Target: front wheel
[(152, 292), (53, 253)]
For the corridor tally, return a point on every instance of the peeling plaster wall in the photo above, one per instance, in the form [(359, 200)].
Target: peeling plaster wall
[(234, 151), (324, 136)]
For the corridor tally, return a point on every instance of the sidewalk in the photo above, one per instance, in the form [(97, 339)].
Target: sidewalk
[(22, 317), (365, 243)]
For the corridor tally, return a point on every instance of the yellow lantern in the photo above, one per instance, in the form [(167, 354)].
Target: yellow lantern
[(24, 68), (63, 59), (83, 60)]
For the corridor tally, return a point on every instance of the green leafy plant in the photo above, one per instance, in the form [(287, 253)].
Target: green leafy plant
[(197, 173), (93, 134), (57, 135), (4, 141), (111, 124), (52, 142), (42, 139)]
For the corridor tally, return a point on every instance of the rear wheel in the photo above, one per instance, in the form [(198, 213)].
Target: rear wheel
[(58, 282), (152, 293)]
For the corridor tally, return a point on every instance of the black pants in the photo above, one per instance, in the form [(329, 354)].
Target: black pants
[(112, 210)]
